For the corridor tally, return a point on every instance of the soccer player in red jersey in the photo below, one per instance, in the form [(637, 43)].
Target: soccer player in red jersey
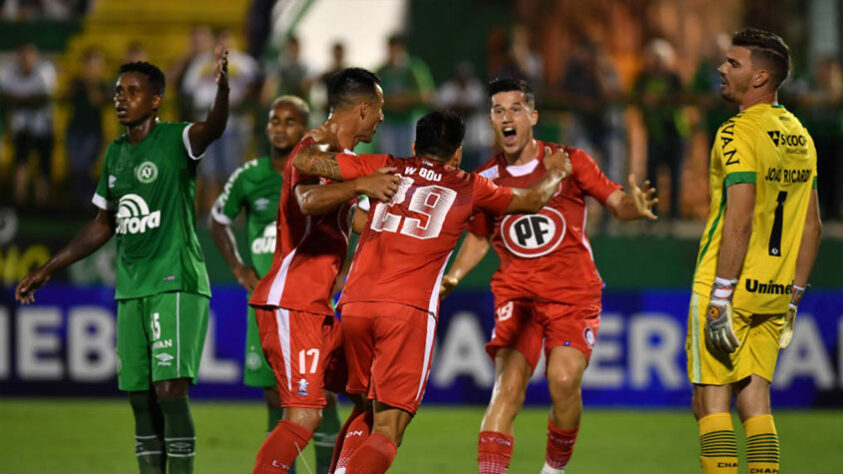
[(391, 299), (547, 288), (299, 332)]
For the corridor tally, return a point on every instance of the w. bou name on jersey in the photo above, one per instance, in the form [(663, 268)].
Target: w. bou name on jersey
[(402, 254)]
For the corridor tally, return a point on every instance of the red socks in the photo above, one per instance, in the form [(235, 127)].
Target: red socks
[(374, 456), (357, 431), (280, 449), (560, 445), (494, 450)]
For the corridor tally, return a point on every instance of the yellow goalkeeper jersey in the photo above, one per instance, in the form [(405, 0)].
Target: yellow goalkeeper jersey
[(765, 145)]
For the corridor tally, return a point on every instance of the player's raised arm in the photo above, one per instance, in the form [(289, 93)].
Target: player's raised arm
[(472, 251), (636, 204), (531, 199), (321, 198), (202, 134), (89, 239)]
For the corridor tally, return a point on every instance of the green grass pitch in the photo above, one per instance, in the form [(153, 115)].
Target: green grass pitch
[(95, 436)]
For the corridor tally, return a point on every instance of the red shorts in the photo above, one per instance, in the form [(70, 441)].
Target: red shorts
[(389, 349), (524, 325), (305, 351)]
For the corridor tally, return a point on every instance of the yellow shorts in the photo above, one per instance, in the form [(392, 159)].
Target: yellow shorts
[(759, 346)]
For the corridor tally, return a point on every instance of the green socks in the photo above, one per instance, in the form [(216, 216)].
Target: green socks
[(179, 435), (324, 438), (149, 432)]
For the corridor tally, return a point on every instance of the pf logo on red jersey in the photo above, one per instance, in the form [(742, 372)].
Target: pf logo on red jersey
[(533, 235)]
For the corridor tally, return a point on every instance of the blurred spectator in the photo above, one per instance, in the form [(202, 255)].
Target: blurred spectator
[(658, 90), (821, 111), (201, 41), (319, 91), (407, 89), (465, 95), (135, 52), (27, 86), (258, 27), (228, 152), (512, 57), (288, 76), (706, 86), (88, 94), (590, 88)]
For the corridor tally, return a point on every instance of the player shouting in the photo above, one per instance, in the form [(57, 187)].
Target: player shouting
[(146, 197), (547, 287), (391, 299), (762, 232), (299, 332)]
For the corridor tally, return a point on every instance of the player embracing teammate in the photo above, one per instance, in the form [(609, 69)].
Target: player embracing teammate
[(547, 290), (391, 299), (299, 333)]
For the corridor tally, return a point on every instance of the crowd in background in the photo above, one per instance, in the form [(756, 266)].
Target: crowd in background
[(588, 106)]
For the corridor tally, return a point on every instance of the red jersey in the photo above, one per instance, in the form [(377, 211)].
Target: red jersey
[(309, 250), (403, 251), (545, 256)]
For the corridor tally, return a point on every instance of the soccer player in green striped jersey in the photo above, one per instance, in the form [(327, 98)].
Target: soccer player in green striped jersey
[(255, 188), (146, 198)]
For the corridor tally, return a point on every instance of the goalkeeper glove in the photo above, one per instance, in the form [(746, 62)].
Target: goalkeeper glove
[(790, 316), (718, 323)]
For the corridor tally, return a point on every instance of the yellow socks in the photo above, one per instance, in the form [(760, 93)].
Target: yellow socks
[(718, 451), (762, 445)]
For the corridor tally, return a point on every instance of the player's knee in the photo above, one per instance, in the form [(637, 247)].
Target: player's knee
[(510, 393), (309, 418), (168, 389), (564, 384), (330, 399)]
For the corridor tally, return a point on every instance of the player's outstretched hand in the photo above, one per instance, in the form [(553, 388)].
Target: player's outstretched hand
[(558, 159), (380, 185), (447, 286), (644, 200), (718, 327), (325, 134), (25, 291), (247, 277), (222, 66)]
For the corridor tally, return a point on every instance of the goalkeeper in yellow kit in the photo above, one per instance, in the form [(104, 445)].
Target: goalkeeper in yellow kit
[(755, 256)]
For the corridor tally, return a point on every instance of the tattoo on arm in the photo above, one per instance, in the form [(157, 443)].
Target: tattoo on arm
[(320, 163)]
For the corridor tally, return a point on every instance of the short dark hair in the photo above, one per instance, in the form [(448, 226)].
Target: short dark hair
[(346, 86), (499, 85), (155, 76), (439, 134), (767, 48)]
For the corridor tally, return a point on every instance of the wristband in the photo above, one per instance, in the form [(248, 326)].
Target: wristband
[(722, 290)]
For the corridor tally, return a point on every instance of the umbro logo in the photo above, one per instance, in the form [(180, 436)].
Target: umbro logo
[(164, 358), (261, 204), (112, 180)]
